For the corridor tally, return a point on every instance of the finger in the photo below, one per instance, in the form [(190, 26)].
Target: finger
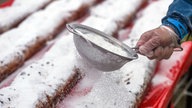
[(153, 57), (150, 54), (158, 53), (150, 45), (144, 38), (168, 52)]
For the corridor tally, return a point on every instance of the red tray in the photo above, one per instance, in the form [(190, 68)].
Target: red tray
[(6, 3), (166, 77)]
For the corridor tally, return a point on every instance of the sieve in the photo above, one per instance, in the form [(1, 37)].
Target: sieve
[(96, 55)]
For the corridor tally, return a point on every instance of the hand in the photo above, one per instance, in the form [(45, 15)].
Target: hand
[(158, 43)]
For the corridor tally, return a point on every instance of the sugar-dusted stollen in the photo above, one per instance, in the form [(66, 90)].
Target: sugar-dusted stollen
[(21, 43), (44, 82), (42, 86), (20, 9), (119, 89), (16, 46), (56, 15), (120, 11)]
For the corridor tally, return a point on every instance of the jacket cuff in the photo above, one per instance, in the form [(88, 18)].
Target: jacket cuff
[(177, 26)]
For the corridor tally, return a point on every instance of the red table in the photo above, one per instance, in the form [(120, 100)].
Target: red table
[(7, 3)]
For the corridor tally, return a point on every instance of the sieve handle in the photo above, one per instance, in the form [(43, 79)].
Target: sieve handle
[(71, 29), (176, 49)]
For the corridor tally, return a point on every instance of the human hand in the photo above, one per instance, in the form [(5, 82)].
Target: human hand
[(158, 43)]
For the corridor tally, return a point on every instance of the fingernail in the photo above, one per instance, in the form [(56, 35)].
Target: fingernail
[(150, 54), (143, 50)]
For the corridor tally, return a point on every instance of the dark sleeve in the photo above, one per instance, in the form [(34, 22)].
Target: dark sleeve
[(179, 18)]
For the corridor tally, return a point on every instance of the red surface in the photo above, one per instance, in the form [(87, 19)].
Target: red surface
[(6, 4), (159, 95)]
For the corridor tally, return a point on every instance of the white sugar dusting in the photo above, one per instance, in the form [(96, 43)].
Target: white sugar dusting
[(102, 24), (131, 80), (108, 92), (104, 42), (122, 88), (120, 11), (42, 77), (18, 11), (137, 75), (40, 26), (161, 79), (39, 79)]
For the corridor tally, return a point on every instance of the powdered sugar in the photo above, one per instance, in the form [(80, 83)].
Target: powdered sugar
[(70, 5), (107, 92), (28, 3), (43, 77), (36, 29), (33, 82), (122, 88), (102, 24), (104, 43), (39, 79), (131, 80), (161, 79), (18, 11), (119, 11), (137, 77)]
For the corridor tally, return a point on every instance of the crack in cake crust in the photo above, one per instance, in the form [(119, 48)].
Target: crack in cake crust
[(62, 92)]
